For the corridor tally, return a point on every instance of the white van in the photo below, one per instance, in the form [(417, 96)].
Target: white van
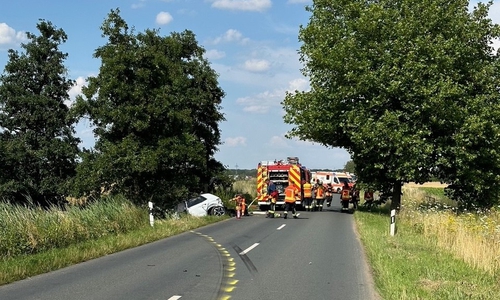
[(336, 179)]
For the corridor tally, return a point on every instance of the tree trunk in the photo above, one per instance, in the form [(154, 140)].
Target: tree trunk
[(396, 196)]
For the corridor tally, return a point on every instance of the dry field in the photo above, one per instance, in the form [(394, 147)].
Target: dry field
[(427, 184)]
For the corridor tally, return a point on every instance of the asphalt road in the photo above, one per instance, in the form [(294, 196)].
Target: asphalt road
[(316, 256)]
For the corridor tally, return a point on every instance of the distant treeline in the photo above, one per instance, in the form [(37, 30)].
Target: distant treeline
[(253, 172)]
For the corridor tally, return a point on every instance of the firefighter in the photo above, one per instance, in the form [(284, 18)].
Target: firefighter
[(368, 198), (320, 196), (239, 205), (307, 187), (345, 196), (291, 195), (355, 196), (329, 194), (243, 205), (272, 194)]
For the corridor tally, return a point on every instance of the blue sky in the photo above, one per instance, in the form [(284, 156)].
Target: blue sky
[(251, 44)]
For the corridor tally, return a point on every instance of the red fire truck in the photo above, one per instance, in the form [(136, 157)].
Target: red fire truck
[(281, 173)]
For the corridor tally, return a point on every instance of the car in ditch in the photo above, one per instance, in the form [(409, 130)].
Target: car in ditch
[(203, 205)]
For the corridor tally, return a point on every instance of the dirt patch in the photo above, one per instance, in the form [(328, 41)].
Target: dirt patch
[(431, 285), (427, 184)]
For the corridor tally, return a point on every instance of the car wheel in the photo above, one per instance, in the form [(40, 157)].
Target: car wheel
[(217, 211)]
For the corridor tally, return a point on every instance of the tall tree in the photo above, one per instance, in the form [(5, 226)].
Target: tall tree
[(350, 166), (408, 87), (156, 108), (39, 150)]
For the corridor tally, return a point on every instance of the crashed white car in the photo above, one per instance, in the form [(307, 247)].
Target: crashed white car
[(203, 205)]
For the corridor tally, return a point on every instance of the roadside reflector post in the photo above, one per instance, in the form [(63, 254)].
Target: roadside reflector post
[(151, 218), (393, 222)]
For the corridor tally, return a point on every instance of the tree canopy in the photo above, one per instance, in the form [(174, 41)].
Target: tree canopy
[(39, 150), (155, 105), (409, 88), (350, 166)]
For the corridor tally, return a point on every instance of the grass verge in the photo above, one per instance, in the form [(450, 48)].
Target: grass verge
[(24, 266), (411, 265)]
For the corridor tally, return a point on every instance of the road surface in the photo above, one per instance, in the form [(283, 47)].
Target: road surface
[(314, 257)]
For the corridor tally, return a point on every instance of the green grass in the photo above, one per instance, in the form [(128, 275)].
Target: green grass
[(410, 266), (406, 266), (433, 192), (36, 241)]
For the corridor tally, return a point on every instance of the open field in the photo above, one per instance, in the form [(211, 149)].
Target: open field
[(427, 184)]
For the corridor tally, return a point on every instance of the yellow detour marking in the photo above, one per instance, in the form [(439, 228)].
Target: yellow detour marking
[(228, 283), (229, 289)]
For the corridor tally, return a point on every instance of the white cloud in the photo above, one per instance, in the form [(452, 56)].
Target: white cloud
[(278, 142), (256, 109), (235, 141), (75, 90), (214, 54), (299, 84), (284, 62), (256, 65), (139, 5), (9, 36), (247, 5), (270, 101), (262, 103), (163, 18), (231, 35)]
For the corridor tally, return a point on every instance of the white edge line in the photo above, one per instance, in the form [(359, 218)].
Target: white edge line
[(249, 249), (281, 227), (175, 297)]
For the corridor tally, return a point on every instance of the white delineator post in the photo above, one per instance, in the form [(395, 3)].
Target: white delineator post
[(393, 222), (151, 218)]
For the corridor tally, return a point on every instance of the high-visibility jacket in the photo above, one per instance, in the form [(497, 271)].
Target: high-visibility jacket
[(346, 195), (291, 193), (240, 202), (320, 193), (307, 190)]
